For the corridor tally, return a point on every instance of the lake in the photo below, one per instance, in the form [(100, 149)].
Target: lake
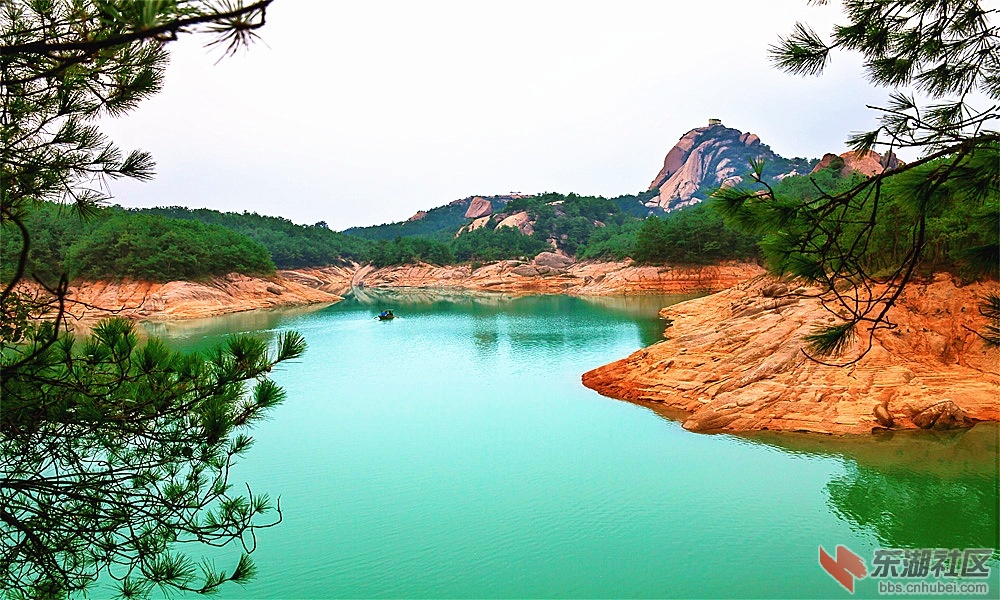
[(453, 452)]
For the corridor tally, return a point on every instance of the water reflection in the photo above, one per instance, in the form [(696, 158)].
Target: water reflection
[(641, 310), (424, 299), (912, 489), (486, 334), (636, 305), (191, 334)]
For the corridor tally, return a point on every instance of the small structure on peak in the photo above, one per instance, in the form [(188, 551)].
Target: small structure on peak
[(714, 122)]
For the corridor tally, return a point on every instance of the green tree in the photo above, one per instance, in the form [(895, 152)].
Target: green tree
[(487, 245), (112, 453), (113, 243), (115, 453), (291, 246), (692, 235), (947, 53), (153, 248)]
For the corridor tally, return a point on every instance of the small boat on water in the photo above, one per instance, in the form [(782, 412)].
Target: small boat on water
[(386, 315)]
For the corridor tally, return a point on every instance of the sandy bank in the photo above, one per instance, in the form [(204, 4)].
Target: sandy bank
[(733, 362)]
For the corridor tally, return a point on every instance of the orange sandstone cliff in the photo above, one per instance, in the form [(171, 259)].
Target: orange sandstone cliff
[(214, 296), (732, 361)]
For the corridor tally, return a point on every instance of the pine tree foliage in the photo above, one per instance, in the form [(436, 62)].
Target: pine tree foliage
[(114, 453), (64, 64), (941, 57), (990, 308)]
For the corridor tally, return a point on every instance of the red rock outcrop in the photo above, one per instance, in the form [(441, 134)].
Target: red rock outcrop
[(549, 273), (474, 225), (868, 164), (479, 207), (420, 214), (520, 221), (676, 157), (551, 276), (215, 296), (733, 361)]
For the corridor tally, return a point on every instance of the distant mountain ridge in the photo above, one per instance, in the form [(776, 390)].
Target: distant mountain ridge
[(705, 158), (441, 222), (709, 157)]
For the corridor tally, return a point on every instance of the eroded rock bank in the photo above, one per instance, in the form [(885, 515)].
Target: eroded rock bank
[(214, 296), (552, 273), (547, 273), (732, 361)]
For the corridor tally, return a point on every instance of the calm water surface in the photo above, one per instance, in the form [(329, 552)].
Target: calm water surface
[(453, 452)]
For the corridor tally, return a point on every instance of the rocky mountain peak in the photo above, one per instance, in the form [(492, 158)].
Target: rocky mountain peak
[(712, 156)]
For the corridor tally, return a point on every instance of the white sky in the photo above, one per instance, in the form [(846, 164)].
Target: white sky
[(359, 113)]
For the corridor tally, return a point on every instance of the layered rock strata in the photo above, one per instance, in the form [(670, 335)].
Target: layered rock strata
[(550, 272), (553, 273), (214, 296), (734, 361)]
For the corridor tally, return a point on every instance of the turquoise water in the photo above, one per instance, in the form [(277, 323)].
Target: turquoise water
[(453, 452)]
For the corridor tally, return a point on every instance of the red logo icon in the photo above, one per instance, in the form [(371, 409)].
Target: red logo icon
[(845, 568)]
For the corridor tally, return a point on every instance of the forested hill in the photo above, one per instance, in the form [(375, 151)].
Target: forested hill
[(291, 246), (586, 227), (179, 243), (438, 223), (113, 243)]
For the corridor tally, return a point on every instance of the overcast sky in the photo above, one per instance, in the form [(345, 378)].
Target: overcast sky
[(359, 113)]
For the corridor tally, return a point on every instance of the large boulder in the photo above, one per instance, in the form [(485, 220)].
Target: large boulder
[(525, 270), (479, 207), (750, 139), (477, 224), (942, 415), (552, 260), (520, 221), (867, 163)]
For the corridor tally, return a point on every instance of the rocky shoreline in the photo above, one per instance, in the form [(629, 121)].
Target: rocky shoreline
[(550, 273), (931, 372), (140, 300)]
